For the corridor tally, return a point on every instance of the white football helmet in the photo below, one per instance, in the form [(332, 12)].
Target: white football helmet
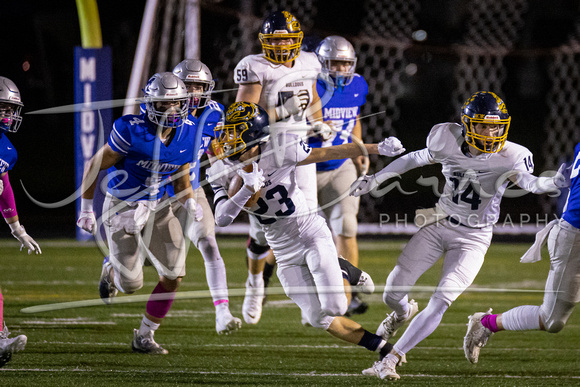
[(10, 106), (338, 50), (191, 72), (166, 100)]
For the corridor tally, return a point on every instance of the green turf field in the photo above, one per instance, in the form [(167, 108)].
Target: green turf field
[(92, 345)]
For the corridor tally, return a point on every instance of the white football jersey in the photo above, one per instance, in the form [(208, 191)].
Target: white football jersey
[(280, 82), (474, 185)]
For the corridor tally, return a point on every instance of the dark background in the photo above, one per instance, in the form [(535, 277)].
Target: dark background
[(44, 34)]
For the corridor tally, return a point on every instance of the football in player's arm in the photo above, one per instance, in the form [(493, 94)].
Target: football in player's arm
[(478, 163)]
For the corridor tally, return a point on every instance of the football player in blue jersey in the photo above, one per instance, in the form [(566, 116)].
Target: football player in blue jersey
[(10, 120), (205, 113), (341, 109), (143, 155), (562, 289)]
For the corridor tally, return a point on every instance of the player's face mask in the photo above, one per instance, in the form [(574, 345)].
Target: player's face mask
[(168, 113), (341, 71), (281, 47), (199, 95), (487, 134), (10, 117), (228, 140)]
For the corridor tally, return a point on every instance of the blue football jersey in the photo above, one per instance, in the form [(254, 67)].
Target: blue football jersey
[(342, 109), (572, 208), (204, 133), (8, 155), (144, 171)]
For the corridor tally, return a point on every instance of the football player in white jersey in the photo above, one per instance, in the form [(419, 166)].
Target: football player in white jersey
[(562, 289), (282, 80), (478, 164), (10, 120), (306, 256)]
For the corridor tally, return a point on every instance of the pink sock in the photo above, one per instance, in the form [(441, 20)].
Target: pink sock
[(1, 312), (219, 302), (160, 305), (489, 321)]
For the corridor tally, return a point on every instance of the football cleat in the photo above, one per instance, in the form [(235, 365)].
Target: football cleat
[(107, 289), (356, 306), (391, 324), (10, 346), (146, 344), (365, 283), (252, 306), (304, 319), (476, 336), (225, 323), (384, 369)]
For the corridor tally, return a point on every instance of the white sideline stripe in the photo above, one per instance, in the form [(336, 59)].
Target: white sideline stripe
[(295, 374), (306, 346), (68, 323)]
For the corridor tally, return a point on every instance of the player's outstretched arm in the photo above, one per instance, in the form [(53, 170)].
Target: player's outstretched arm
[(8, 209), (389, 147), (405, 163), (542, 184)]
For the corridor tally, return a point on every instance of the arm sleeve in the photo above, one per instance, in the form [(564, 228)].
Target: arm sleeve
[(536, 185), (403, 164), (7, 202), (226, 210), (120, 138)]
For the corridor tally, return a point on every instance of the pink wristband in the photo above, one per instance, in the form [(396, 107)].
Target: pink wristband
[(7, 203)]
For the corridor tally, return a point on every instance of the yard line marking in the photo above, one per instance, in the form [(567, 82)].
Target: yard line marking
[(293, 374), (305, 346), (239, 292), (67, 323)]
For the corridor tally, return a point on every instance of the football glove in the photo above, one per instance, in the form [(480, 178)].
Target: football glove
[(562, 177), (391, 147), (291, 106), (323, 130), (1, 186), (87, 220), (26, 240), (254, 179), (194, 209), (217, 174), (363, 185)]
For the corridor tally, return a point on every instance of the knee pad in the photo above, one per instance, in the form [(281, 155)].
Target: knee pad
[(345, 225), (556, 320), (320, 321), (255, 250), (126, 285)]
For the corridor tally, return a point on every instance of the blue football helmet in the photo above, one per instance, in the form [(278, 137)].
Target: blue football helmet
[(10, 106), (485, 108), (245, 125)]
